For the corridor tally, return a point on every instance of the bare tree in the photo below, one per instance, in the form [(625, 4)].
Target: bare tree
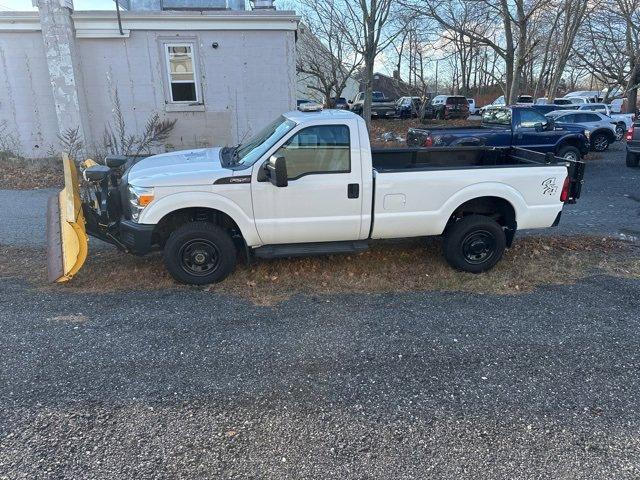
[(503, 26), (368, 28), (609, 46), (569, 15), (325, 57)]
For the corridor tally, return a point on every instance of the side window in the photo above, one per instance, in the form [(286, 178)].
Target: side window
[(566, 119), (528, 118), (181, 73), (318, 149), (592, 117)]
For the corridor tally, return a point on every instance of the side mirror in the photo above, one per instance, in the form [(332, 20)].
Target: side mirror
[(276, 169), (538, 126)]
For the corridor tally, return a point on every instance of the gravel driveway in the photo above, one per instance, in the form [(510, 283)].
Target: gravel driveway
[(187, 384)]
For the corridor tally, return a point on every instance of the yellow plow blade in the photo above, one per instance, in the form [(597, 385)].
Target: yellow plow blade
[(66, 236)]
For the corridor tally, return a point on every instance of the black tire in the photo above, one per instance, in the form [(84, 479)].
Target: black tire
[(621, 128), (438, 115), (474, 244), (569, 152), (199, 253), (600, 142), (633, 159)]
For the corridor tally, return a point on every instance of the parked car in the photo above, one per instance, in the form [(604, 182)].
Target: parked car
[(381, 106), (633, 145), (339, 103), (473, 110), (562, 101), (578, 100), (590, 96), (446, 107), (525, 100), (302, 101), (550, 107), (602, 130), (501, 102), (516, 126), (305, 185), (623, 120), (408, 107)]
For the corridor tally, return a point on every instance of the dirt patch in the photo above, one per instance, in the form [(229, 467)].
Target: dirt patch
[(27, 174), (389, 266), (381, 128)]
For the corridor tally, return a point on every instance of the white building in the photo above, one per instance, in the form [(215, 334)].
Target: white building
[(221, 74)]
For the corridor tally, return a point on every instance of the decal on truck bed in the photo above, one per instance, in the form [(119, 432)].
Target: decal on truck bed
[(549, 186)]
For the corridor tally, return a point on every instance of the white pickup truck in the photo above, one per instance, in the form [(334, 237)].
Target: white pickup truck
[(308, 183)]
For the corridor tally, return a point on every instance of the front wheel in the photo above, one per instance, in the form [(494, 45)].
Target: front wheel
[(569, 153), (599, 142), (199, 253), (474, 243)]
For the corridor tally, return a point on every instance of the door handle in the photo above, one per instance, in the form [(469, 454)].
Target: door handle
[(353, 190)]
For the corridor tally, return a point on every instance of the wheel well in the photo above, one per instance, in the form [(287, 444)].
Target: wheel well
[(496, 208), (177, 218), (569, 142)]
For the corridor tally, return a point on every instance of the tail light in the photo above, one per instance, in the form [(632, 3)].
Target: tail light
[(564, 195), (428, 142), (630, 134)]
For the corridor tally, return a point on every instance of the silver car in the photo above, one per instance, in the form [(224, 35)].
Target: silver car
[(601, 129)]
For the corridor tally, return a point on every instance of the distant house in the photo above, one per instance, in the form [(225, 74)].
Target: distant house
[(223, 74), (393, 87)]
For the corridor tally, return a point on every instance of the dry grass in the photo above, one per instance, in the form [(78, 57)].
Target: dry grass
[(22, 173), (398, 266)]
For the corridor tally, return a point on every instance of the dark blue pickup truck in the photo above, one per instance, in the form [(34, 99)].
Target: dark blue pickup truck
[(513, 126)]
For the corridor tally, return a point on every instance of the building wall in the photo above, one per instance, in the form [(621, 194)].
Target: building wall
[(27, 110), (246, 82)]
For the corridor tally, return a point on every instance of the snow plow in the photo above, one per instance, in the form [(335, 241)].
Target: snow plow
[(67, 239)]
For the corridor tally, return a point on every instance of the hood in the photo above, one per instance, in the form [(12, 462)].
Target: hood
[(185, 167)]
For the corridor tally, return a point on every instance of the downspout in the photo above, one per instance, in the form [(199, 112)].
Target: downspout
[(119, 18)]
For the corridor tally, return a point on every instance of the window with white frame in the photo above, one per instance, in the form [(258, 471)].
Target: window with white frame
[(182, 73)]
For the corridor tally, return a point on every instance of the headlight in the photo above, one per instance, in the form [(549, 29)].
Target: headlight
[(587, 134), (139, 197)]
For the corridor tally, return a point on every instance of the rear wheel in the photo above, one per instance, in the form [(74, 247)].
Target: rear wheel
[(199, 253), (620, 129), (600, 142), (569, 153), (633, 159), (474, 243)]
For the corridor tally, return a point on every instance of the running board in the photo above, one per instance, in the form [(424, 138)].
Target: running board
[(309, 249)]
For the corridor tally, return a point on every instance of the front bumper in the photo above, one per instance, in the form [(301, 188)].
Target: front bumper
[(136, 237)]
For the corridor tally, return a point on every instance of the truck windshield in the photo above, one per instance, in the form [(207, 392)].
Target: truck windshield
[(497, 116), (250, 151)]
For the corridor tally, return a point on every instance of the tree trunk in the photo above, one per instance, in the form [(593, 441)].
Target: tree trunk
[(368, 88)]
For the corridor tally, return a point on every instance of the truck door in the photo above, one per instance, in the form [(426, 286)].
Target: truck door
[(323, 199), (527, 132)]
